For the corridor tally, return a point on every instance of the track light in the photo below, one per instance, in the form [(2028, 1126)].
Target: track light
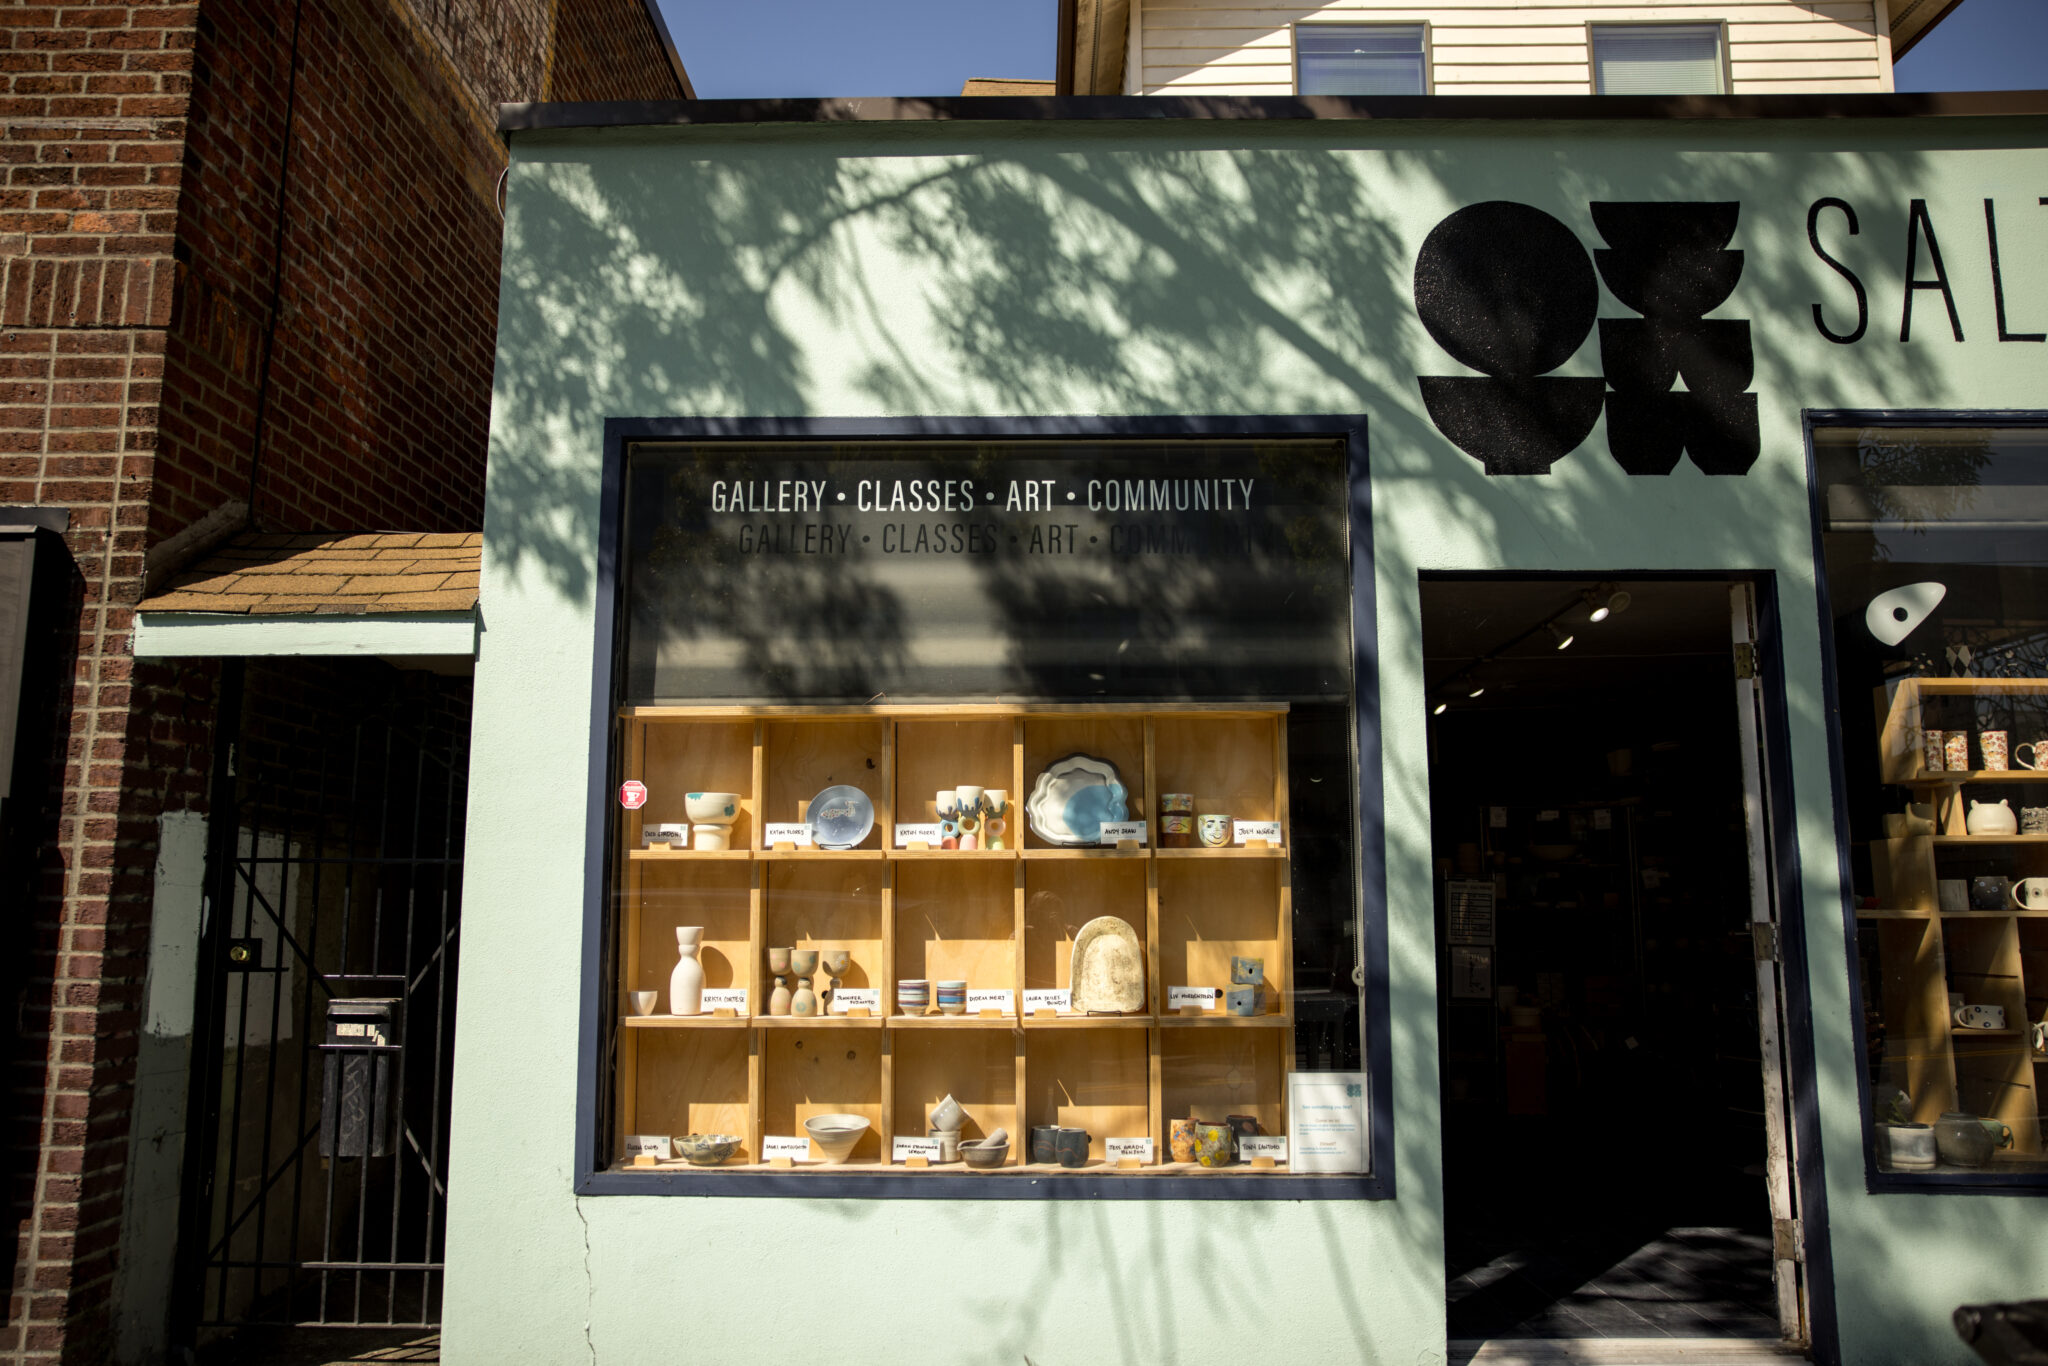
[(1617, 601), (1563, 640), (1440, 709), (1476, 691)]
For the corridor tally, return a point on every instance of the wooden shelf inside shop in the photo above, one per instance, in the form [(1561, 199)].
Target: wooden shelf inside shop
[(686, 1021), (952, 1021), (690, 855), (1219, 1020), (1958, 778), (1139, 1021), (1228, 851), (818, 1021)]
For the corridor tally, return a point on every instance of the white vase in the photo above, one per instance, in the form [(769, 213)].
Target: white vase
[(686, 983)]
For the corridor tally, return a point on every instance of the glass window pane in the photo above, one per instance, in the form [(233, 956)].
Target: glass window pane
[(1367, 60), (1663, 59), (881, 709), (1936, 551)]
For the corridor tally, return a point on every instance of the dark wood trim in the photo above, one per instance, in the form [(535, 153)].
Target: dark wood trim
[(524, 118)]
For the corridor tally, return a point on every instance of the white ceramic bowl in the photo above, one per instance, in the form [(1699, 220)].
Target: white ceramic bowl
[(835, 1135), (712, 808)]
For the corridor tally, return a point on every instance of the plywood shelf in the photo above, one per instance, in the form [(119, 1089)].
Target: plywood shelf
[(1983, 841), (1961, 778), (1001, 919)]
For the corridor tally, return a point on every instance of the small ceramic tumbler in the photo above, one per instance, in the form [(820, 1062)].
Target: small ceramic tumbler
[(1180, 1139), (952, 996), (644, 1001), (1214, 828), (1176, 820), (913, 994), (1991, 746), (1955, 750), (2034, 820), (1933, 744), (1042, 1142), (1070, 1146)]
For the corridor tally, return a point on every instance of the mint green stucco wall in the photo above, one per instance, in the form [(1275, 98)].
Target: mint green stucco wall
[(1155, 268)]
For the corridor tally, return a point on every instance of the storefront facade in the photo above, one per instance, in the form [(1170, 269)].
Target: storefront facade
[(1446, 312)]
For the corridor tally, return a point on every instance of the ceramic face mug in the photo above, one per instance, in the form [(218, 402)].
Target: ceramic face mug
[(1214, 830)]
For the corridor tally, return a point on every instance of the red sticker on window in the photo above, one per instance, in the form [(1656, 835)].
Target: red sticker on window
[(633, 794)]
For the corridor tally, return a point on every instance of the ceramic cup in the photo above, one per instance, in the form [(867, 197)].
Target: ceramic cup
[(778, 961), (949, 1143), (1932, 747), (803, 962), (1955, 750), (644, 1001), (2036, 756), (970, 799), (1989, 893), (952, 996), (948, 1115), (1952, 894), (1042, 1143), (668, 834), (1991, 745), (1214, 829), (1911, 1146), (2041, 1037), (946, 804), (2034, 820), (2031, 893), (1070, 1147), (1981, 1017), (995, 801), (1180, 1139), (1215, 1144), (913, 994)]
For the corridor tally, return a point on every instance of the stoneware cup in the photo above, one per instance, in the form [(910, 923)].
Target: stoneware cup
[(1991, 746), (1070, 1146), (2031, 893), (1932, 747), (1043, 1148), (1214, 829), (644, 1001), (1955, 753)]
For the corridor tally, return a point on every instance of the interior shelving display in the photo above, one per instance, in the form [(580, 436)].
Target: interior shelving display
[(1986, 956), (1001, 919)]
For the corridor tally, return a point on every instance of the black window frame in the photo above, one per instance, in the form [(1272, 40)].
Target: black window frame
[(589, 1174)]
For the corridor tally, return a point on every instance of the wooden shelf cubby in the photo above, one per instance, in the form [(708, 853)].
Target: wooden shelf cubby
[(1000, 919), (1992, 957)]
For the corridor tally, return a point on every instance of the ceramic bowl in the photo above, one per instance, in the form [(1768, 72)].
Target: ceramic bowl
[(644, 1001), (712, 808), (835, 1135), (985, 1154), (705, 1150), (841, 817)]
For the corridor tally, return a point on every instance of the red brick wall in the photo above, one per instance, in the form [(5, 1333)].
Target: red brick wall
[(142, 156)]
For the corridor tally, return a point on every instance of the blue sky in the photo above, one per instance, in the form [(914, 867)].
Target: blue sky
[(738, 48)]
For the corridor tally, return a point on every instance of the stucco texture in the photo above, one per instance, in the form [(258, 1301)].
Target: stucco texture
[(1160, 268)]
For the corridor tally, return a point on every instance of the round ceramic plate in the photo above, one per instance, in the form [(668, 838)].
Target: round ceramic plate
[(841, 817), (1073, 797)]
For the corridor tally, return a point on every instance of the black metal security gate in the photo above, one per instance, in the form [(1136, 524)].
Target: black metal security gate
[(316, 1189)]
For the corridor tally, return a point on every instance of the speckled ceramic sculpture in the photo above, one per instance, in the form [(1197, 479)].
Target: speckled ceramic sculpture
[(1108, 973)]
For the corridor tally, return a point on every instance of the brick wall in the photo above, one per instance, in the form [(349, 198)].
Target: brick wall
[(149, 201)]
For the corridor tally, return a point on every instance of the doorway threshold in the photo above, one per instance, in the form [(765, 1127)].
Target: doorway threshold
[(1622, 1352)]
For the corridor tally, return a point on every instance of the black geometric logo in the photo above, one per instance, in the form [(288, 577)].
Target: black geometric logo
[(1508, 290)]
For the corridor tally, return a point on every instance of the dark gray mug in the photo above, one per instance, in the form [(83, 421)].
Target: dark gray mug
[(1071, 1145)]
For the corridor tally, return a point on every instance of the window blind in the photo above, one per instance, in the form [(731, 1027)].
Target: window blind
[(1372, 60), (1657, 60)]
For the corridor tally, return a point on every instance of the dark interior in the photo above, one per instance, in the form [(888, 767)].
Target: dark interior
[(1603, 1126)]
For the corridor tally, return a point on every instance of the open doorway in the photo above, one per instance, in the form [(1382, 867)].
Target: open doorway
[(1609, 1162)]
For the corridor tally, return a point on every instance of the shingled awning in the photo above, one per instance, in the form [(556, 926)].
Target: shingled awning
[(380, 593)]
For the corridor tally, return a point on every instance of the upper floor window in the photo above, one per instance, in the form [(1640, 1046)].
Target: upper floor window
[(1360, 59), (1657, 59)]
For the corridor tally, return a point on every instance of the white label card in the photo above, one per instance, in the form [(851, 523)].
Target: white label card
[(928, 831), (1112, 831), (1005, 1001), (1263, 1145), (846, 998), (788, 832), (927, 1148), (1062, 1001), (1245, 831), (652, 1145), (795, 1149), (1140, 1148), (1205, 997), (725, 998)]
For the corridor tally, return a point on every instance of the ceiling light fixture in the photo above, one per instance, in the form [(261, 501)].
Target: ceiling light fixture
[(1563, 641), (1476, 691), (1617, 601), (1440, 709)]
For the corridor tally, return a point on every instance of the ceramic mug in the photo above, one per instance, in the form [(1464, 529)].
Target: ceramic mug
[(913, 994), (1955, 753), (1214, 830), (1042, 1143), (947, 803), (2001, 1132), (969, 798), (2034, 758), (1932, 746), (1981, 1017), (1070, 1146), (1909, 1146), (1989, 893), (1180, 1136), (2034, 820), (952, 996), (2031, 893), (2041, 1037), (1991, 745), (1952, 894)]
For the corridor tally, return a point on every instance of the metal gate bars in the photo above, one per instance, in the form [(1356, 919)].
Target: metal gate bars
[(315, 1190)]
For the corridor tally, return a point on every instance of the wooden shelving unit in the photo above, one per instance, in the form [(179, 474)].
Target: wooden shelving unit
[(1000, 919), (1993, 957)]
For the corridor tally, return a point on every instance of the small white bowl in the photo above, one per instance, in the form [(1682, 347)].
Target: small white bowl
[(835, 1135), (644, 1001), (712, 808)]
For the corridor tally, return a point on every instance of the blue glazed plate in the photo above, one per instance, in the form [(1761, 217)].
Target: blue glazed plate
[(841, 817), (1073, 797)]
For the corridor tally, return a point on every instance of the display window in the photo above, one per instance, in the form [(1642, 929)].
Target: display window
[(984, 814), (1935, 546)]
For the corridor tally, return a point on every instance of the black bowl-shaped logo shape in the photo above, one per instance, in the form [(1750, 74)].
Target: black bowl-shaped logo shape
[(1519, 426), (1505, 288), (1669, 260)]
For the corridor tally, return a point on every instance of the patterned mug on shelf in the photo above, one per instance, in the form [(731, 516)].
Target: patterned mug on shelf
[(1955, 755), (2036, 756), (2034, 820), (1991, 745), (1932, 746)]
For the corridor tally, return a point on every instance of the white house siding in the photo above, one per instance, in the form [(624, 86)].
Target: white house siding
[(1505, 47)]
